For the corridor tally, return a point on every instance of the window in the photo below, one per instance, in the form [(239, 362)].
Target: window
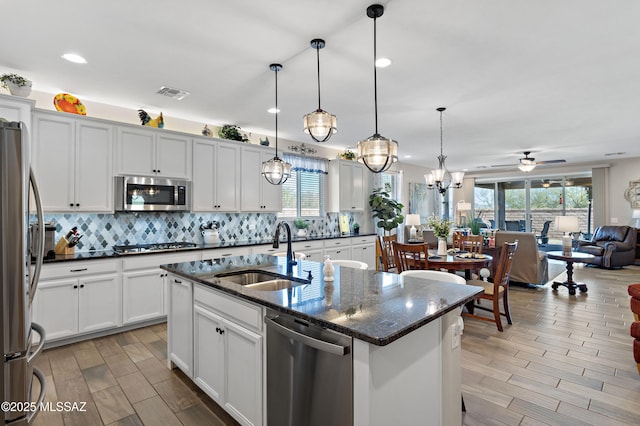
[(303, 192)]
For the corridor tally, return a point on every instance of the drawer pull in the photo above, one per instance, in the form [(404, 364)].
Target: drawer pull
[(177, 281), (78, 270)]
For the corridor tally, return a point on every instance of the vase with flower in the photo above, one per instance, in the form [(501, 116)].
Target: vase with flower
[(441, 229)]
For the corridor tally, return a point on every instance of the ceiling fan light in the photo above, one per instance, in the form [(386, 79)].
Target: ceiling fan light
[(526, 167), (320, 125), (276, 171), (377, 153)]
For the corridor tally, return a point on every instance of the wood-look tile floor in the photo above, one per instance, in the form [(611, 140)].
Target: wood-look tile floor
[(565, 360)]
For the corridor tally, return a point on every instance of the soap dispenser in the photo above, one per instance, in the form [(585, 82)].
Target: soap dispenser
[(328, 269)]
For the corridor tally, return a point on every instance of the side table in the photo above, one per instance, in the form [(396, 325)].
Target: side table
[(570, 258)]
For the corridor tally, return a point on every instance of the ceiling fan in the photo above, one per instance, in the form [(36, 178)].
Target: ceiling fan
[(527, 163)]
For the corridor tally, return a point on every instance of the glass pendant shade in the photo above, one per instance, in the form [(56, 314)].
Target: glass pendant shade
[(320, 125), (377, 153), (524, 167), (276, 171)]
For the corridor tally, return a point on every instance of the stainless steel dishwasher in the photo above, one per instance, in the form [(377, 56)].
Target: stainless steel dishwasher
[(309, 374)]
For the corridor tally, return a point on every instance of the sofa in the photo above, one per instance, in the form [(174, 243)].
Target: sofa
[(611, 246), (529, 264)]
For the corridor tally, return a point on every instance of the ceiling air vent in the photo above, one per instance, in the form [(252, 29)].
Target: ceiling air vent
[(173, 93)]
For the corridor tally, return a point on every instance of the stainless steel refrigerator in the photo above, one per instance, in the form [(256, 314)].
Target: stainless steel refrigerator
[(19, 278)]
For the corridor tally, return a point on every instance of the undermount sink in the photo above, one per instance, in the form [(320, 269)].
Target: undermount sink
[(262, 280)]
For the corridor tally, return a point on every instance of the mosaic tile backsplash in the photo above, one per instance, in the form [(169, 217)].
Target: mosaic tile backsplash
[(103, 231)]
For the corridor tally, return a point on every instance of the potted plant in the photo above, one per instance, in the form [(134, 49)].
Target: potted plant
[(17, 85), (302, 226), (474, 226), (232, 132), (387, 210), (441, 229), (348, 155), (356, 228)]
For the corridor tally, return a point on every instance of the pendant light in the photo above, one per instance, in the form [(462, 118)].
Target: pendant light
[(276, 171), (377, 152), (440, 178), (320, 125)]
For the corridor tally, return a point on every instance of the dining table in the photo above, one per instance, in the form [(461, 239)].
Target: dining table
[(459, 262)]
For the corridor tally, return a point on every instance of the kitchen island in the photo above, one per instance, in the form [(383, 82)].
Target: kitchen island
[(405, 334)]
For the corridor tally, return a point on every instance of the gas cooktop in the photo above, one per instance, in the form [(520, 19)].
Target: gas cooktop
[(148, 248)]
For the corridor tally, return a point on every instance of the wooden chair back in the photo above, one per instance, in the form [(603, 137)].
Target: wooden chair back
[(410, 256), (386, 251), (472, 243)]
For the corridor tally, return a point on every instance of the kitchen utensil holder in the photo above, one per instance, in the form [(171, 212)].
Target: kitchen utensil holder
[(62, 247)]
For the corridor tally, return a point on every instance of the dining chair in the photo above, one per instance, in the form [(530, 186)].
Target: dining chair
[(299, 256), (356, 264), (386, 252), (471, 243), (410, 256), (435, 275), (496, 290)]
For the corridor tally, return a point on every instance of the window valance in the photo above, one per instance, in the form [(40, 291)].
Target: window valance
[(306, 164)]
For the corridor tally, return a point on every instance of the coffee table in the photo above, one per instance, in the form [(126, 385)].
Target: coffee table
[(570, 258)]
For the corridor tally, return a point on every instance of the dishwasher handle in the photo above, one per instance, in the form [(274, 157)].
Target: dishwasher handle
[(321, 345)]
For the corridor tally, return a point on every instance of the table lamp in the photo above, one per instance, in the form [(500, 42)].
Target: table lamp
[(636, 216), (463, 206), (566, 225), (413, 220)]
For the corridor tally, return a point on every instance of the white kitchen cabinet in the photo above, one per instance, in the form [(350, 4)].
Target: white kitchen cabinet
[(180, 324), (78, 297), (312, 249), (142, 295), (363, 249), (227, 355), (14, 108), (72, 160), (216, 176), (144, 284), (338, 248), (257, 195), (346, 186), (152, 152), (225, 252)]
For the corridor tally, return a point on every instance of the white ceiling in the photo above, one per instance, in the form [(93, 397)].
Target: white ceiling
[(555, 77)]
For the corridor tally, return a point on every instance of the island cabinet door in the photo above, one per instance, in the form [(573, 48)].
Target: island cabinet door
[(208, 353), (244, 374), (180, 324)]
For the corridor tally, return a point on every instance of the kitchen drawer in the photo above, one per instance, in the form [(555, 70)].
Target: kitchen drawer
[(268, 249), (150, 261), (337, 242), (368, 239), (78, 269), (234, 309), (305, 246)]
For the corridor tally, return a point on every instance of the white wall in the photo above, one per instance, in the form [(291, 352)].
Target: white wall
[(620, 173)]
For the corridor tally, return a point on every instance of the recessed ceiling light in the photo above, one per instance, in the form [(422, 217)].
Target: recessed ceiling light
[(383, 62), (407, 156), (273, 110), (76, 59)]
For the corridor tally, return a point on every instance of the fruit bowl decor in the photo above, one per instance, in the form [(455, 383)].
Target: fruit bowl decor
[(68, 103)]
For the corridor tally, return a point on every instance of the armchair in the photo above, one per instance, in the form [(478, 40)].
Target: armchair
[(529, 264), (611, 246)]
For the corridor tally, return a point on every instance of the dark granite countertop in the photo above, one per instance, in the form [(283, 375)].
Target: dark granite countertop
[(99, 254), (375, 307)]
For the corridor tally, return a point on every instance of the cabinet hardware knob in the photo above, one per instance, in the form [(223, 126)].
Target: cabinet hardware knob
[(77, 204), (75, 286), (81, 285), (70, 204)]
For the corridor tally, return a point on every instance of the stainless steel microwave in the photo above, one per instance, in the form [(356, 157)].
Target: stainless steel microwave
[(135, 193)]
